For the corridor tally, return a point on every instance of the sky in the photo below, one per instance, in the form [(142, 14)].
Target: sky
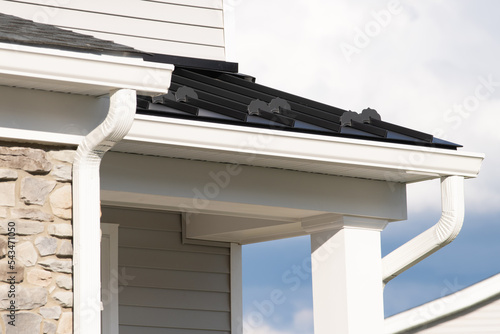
[(429, 65)]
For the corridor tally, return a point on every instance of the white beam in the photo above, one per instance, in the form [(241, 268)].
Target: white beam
[(346, 269), (201, 187)]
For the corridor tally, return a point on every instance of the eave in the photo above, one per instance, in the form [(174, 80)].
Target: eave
[(357, 158)]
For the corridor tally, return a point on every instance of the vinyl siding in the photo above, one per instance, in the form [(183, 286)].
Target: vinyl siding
[(173, 288), (192, 28), (482, 319)]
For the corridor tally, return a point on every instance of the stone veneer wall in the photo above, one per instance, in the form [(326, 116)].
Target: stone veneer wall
[(35, 195)]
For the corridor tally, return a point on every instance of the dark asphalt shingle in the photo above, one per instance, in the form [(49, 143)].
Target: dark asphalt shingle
[(15, 30), (231, 98)]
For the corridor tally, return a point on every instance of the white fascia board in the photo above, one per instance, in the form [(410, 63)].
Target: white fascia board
[(296, 149), (443, 307), (78, 72), (42, 137)]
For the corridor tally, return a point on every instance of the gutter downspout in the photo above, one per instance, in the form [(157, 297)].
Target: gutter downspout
[(436, 237), (86, 210)]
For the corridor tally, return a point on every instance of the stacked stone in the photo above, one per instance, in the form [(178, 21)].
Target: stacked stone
[(35, 194)]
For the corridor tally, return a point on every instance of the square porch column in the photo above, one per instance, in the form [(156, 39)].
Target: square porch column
[(347, 275)]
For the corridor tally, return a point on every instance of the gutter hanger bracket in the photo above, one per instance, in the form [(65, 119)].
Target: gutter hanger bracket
[(436, 237), (86, 209)]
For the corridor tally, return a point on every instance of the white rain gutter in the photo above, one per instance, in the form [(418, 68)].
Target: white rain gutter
[(297, 151), (436, 237)]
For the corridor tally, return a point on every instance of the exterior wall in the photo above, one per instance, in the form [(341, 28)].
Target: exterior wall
[(192, 28), (35, 203), (167, 286), (482, 319)]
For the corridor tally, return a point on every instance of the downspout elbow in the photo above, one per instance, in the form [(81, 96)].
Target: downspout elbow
[(436, 237), (86, 210)]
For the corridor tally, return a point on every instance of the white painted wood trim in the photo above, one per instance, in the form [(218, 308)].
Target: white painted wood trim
[(443, 307), (110, 323), (80, 73), (236, 289), (305, 148)]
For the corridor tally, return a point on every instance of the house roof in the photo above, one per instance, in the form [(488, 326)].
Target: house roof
[(232, 98), (205, 90), (15, 30), (447, 307)]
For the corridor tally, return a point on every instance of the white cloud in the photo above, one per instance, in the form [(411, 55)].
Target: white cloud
[(303, 320), (302, 323), (266, 330)]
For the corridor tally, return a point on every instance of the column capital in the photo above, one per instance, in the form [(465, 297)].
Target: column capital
[(329, 222)]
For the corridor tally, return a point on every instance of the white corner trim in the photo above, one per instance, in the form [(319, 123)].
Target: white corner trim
[(436, 237), (86, 209), (304, 148), (50, 138), (109, 282), (443, 307), (79, 71), (236, 289)]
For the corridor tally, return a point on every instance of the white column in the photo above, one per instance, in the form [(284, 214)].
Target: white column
[(346, 275)]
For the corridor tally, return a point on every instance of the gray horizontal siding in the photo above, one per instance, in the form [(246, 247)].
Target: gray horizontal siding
[(154, 330), (172, 27), (180, 299), (174, 318), (172, 279), (170, 287), (163, 259)]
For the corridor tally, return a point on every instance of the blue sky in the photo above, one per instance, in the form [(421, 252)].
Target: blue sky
[(421, 67)]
